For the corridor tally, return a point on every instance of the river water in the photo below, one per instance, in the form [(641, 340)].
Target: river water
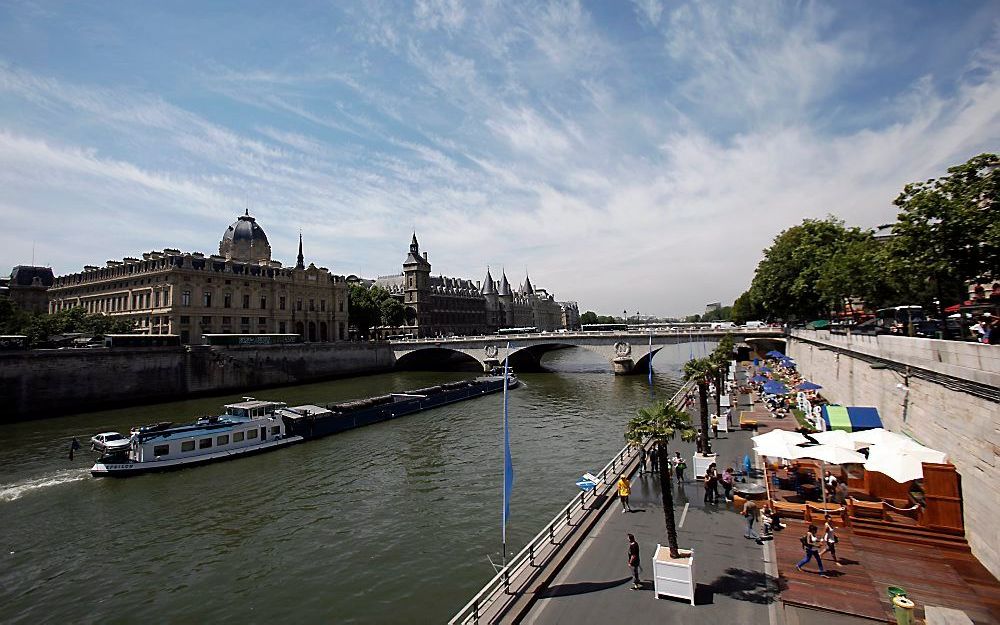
[(386, 524)]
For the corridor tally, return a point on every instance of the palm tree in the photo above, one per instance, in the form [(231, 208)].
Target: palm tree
[(662, 422), (720, 358), (701, 371)]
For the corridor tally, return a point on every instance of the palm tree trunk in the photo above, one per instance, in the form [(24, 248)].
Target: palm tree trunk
[(718, 394), (703, 405), (667, 494)]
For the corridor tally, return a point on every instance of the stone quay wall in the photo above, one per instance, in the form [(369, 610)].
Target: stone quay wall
[(45, 383), (936, 409)]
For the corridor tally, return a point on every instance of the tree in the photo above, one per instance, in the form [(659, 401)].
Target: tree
[(701, 371), (720, 358), (661, 422), (392, 311), (746, 308), (588, 317), (948, 232)]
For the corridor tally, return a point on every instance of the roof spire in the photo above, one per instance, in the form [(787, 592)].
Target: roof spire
[(301, 261), (504, 285), (527, 289), (489, 287)]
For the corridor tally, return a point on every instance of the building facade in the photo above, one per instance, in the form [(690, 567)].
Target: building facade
[(28, 287), (241, 290), (443, 306)]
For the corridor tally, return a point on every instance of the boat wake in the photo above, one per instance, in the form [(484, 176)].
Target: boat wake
[(10, 492)]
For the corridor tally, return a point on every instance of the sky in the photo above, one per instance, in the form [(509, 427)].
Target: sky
[(631, 156)]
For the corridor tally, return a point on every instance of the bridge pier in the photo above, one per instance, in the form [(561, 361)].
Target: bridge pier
[(623, 365)]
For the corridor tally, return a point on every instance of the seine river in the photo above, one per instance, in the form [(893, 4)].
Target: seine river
[(386, 524)]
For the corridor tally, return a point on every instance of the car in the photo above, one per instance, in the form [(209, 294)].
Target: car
[(109, 441)]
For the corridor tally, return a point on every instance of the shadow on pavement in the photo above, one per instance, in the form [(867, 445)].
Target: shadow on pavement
[(743, 585), (581, 588)]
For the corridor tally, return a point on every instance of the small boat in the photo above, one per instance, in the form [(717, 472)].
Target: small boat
[(496, 375), (247, 427)]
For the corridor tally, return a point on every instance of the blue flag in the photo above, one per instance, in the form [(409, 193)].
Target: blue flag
[(508, 466)]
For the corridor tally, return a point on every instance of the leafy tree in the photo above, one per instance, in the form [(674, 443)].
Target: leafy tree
[(855, 270), (701, 371), (588, 317), (372, 307), (746, 308), (948, 232), (392, 311), (661, 422)]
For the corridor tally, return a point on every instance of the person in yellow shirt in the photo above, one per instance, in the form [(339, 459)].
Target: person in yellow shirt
[(624, 490)]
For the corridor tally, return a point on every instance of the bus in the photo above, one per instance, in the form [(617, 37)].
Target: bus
[(142, 340), (251, 339), (12, 342), (604, 327), (905, 320), (504, 331)]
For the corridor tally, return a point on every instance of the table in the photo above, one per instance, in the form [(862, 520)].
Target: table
[(750, 491)]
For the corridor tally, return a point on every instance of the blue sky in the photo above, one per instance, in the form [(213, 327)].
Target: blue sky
[(628, 155)]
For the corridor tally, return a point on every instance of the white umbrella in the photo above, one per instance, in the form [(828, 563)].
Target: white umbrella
[(896, 463), (840, 438), (915, 449), (779, 436), (776, 449), (877, 436)]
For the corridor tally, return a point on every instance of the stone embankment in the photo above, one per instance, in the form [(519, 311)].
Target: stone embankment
[(45, 383)]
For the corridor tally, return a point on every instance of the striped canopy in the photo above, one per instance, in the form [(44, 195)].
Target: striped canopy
[(851, 418)]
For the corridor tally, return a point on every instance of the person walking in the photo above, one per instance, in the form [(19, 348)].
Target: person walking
[(633, 561), (679, 466), (727, 484), (642, 460), (711, 485), (811, 544), (830, 539), (698, 442), (654, 458), (624, 490), (715, 426), (750, 513)]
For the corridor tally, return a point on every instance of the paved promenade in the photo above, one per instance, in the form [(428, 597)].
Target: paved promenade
[(732, 586)]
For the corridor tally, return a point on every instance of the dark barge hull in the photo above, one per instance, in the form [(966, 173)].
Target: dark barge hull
[(402, 404)]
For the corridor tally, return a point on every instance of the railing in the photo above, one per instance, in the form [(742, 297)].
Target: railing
[(583, 335), (546, 542)]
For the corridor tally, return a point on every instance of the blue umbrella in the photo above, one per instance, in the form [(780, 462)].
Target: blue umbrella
[(775, 353), (775, 388), (809, 386), (765, 370), (759, 379)]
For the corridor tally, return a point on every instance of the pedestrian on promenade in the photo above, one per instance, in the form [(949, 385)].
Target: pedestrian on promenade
[(811, 544), (642, 460), (711, 481), (679, 466), (727, 484), (654, 458), (624, 490), (715, 426), (633, 561), (830, 539), (750, 513), (698, 442)]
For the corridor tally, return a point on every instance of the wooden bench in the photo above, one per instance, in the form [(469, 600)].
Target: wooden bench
[(789, 510), (865, 509)]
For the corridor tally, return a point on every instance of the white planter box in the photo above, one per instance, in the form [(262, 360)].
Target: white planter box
[(701, 463), (673, 577)]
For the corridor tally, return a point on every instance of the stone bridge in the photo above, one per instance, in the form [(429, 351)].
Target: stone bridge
[(627, 351)]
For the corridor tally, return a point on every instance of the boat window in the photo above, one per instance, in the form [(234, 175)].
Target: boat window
[(161, 450), (204, 443), (222, 440), (251, 433), (237, 437), (187, 446), (276, 429)]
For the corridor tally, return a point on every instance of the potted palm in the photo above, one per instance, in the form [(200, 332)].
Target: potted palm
[(721, 357), (673, 568), (701, 371)]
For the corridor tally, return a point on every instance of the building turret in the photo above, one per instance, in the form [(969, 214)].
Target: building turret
[(417, 289), (300, 262), (245, 240), (526, 288)]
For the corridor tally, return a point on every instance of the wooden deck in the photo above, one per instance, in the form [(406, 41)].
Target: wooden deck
[(937, 577)]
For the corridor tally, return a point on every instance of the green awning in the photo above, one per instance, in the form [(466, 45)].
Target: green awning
[(837, 418)]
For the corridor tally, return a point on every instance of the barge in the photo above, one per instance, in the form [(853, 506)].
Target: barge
[(254, 426)]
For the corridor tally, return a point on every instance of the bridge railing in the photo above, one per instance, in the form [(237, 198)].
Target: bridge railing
[(581, 334), (499, 589)]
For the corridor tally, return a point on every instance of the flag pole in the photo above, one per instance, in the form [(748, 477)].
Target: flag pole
[(505, 506)]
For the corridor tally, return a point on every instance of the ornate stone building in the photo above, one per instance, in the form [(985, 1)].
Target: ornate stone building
[(239, 291), (28, 287), (441, 306)]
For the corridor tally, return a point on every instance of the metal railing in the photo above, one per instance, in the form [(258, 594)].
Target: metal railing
[(583, 335), (547, 541)]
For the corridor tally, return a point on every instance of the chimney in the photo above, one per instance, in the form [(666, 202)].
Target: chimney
[(425, 255)]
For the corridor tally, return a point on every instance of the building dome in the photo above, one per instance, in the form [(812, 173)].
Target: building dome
[(245, 240)]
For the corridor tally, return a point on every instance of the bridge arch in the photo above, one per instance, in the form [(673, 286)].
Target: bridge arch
[(437, 357)]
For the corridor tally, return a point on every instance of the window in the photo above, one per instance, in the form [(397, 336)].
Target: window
[(246, 301), (204, 443), (229, 281), (222, 440), (206, 321), (281, 302), (187, 446), (322, 305), (298, 304), (237, 437), (263, 302), (227, 300), (227, 320), (262, 320), (245, 321), (312, 304), (281, 327), (341, 305), (206, 299), (161, 450), (156, 299), (251, 433), (275, 430)]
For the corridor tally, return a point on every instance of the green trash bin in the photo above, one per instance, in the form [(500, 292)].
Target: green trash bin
[(903, 610), (896, 591)]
